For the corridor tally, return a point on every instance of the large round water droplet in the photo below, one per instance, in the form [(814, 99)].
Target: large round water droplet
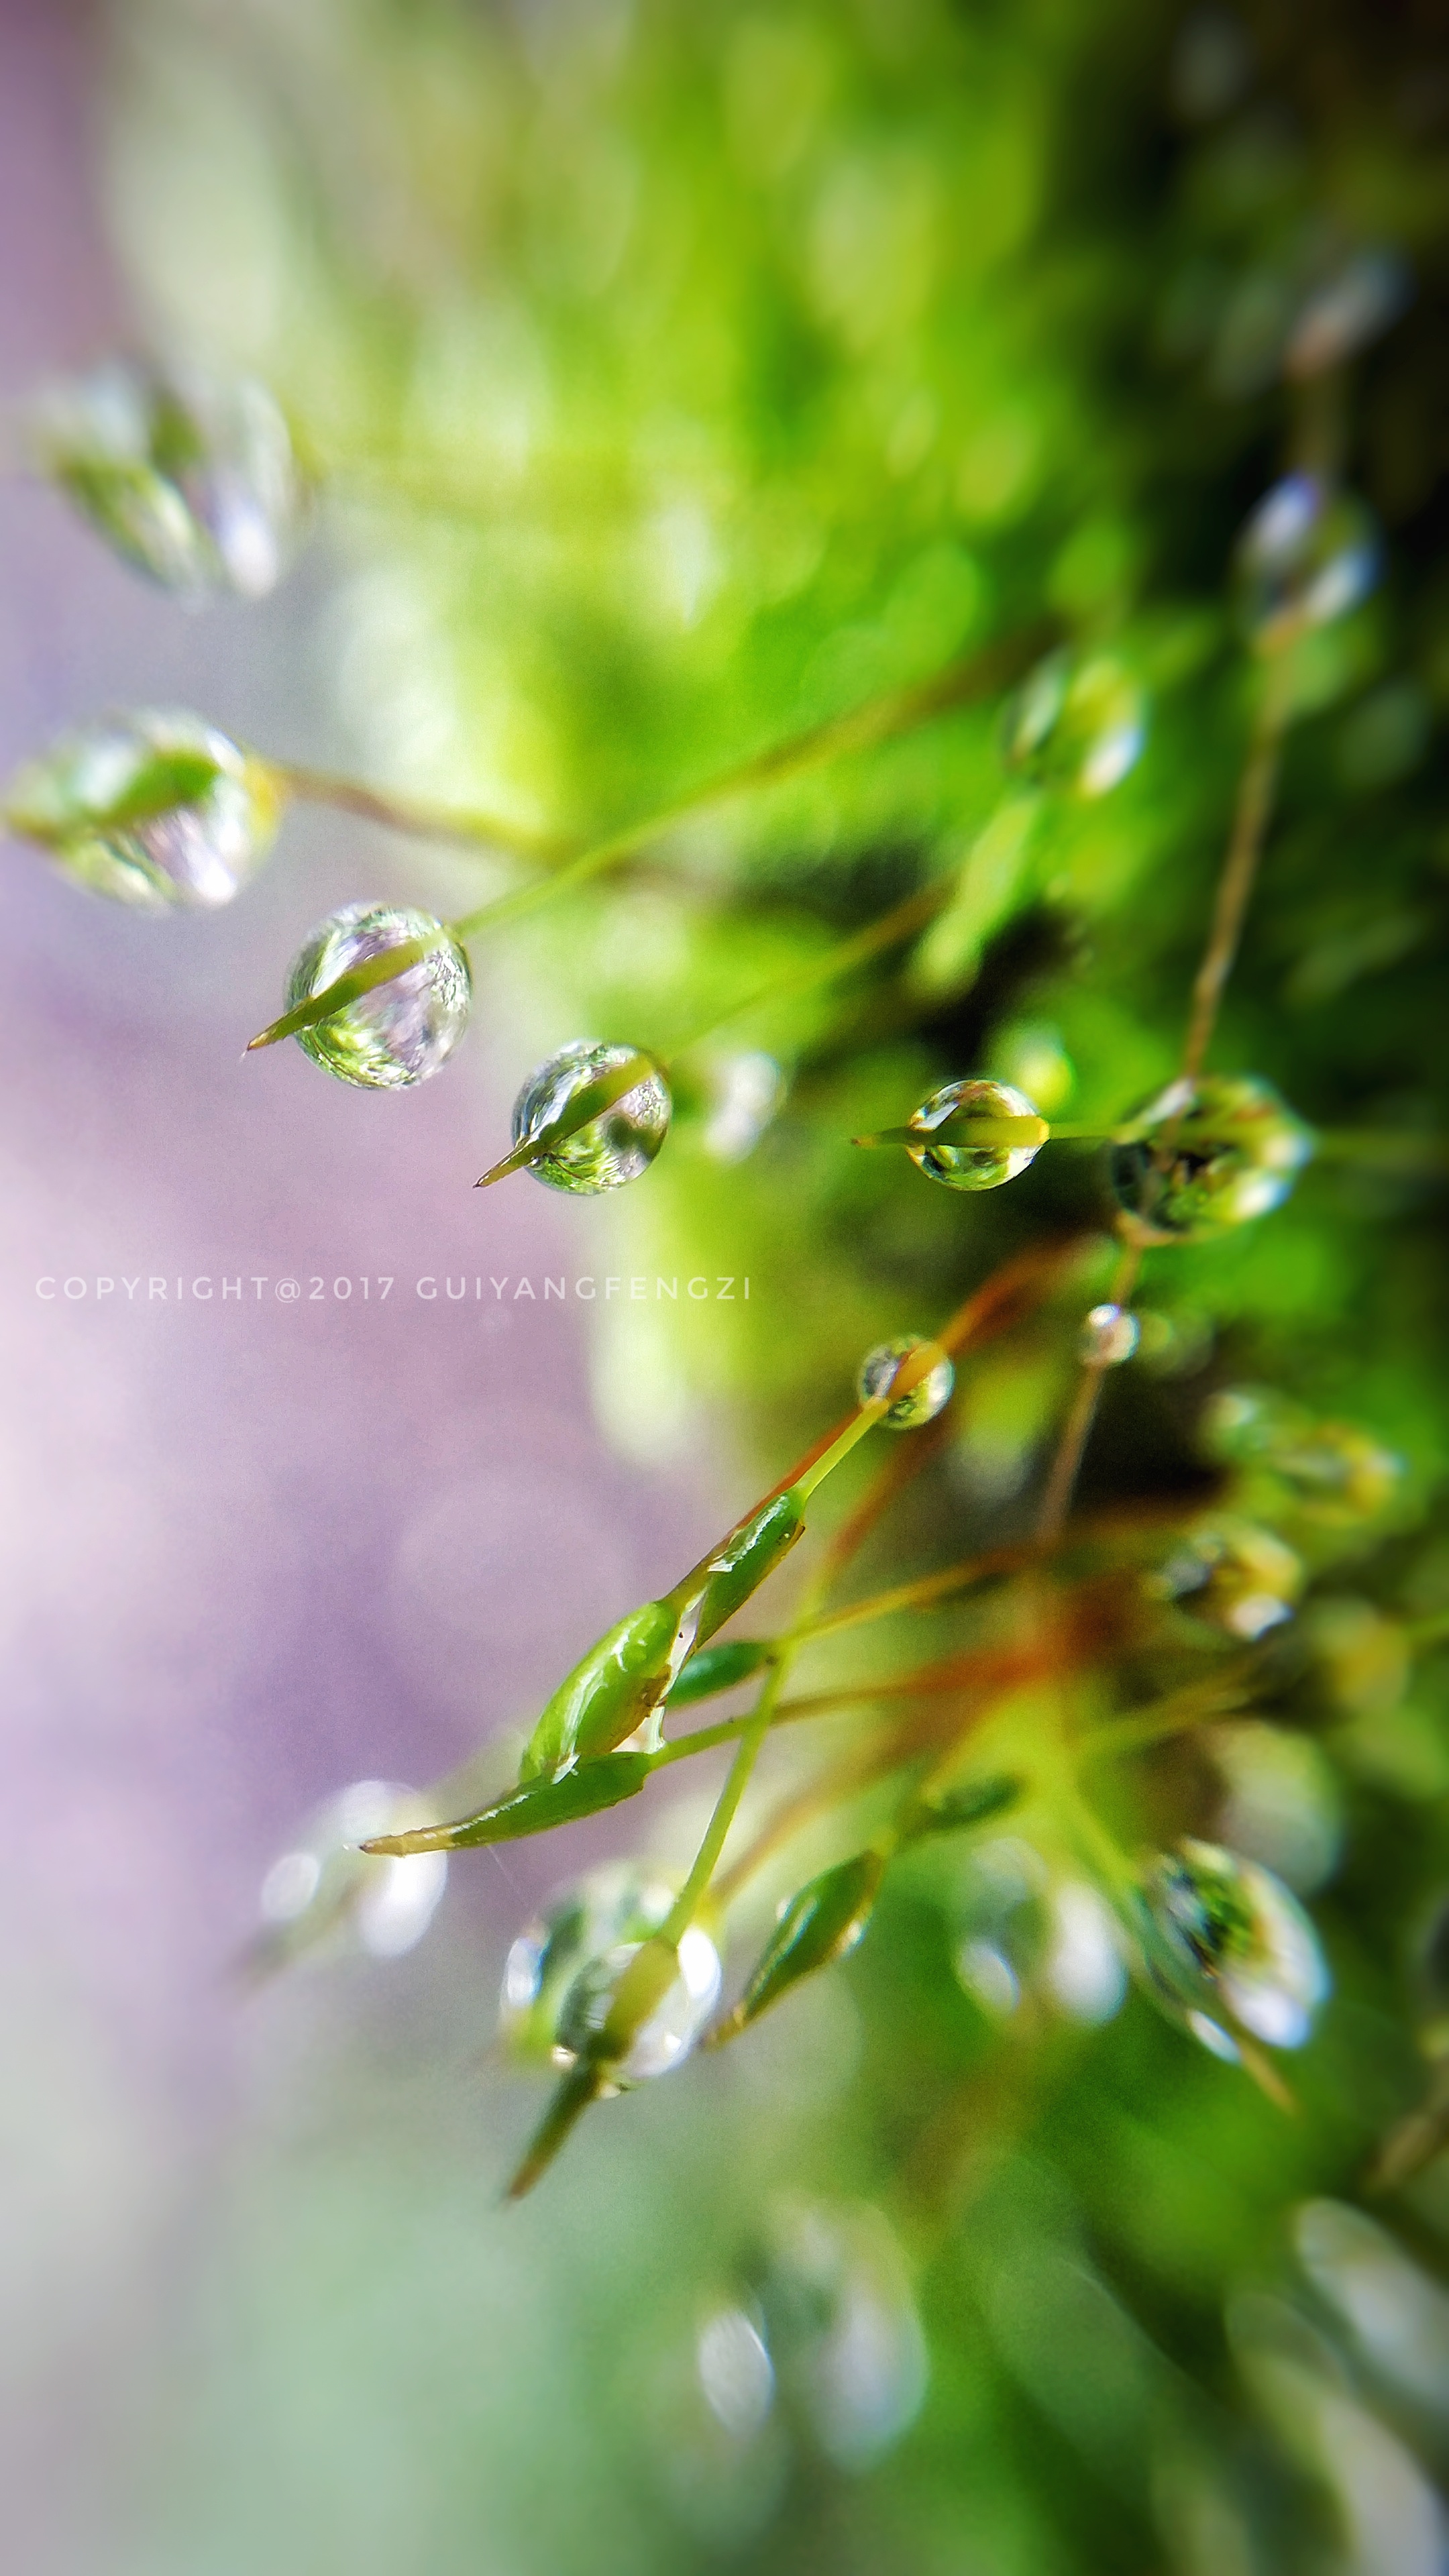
[(1307, 555), (922, 1402), (155, 809), (193, 480), (581, 1924), (606, 1151), (967, 1166), (1206, 1156), (1110, 1335), (1079, 726), (402, 1030), (1228, 1933), (668, 2032)]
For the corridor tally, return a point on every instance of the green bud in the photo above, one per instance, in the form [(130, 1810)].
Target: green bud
[(821, 1923), (607, 1695), (535, 1809), (718, 1668), (971, 1804), (747, 1556)]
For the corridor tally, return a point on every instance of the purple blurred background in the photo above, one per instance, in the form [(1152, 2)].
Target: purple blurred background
[(252, 1549)]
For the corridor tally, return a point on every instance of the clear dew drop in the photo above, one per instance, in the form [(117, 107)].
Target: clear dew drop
[(608, 1151), (665, 2037), (324, 1892), (748, 1092), (1235, 1573), (400, 1032), (155, 809), (1347, 310), (584, 1932), (971, 1167), (1206, 1156), (1307, 555), (1077, 726), (1109, 1336), (1232, 1941), (922, 1402), (193, 480)]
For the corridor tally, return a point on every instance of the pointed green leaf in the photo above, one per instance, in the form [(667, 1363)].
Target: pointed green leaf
[(822, 1922), (718, 1668), (580, 1110), (348, 988), (535, 1809)]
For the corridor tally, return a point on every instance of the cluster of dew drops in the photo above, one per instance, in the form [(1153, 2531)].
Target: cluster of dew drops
[(198, 483)]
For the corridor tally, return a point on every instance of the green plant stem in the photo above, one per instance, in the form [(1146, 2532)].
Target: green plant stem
[(882, 719), (1077, 1429), (1252, 813), (417, 816)]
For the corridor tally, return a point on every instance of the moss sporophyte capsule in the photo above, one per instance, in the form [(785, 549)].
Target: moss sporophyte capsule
[(1205, 1156), (155, 809), (404, 1028), (194, 480)]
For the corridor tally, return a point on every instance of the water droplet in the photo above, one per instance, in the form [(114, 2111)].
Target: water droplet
[(1228, 1937), (564, 1970), (1235, 1573), (1307, 555), (193, 480), (1110, 1335), (964, 1166), (1206, 1156), (1079, 726), (736, 2374), (1331, 1472), (154, 809), (841, 2327), (922, 1402), (1347, 311), (607, 1151), (748, 1092), (324, 1892), (403, 1030), (669, 2030), (579, 1923)]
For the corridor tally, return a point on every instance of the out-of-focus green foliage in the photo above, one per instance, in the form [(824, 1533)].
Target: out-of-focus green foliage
[(682, 376)]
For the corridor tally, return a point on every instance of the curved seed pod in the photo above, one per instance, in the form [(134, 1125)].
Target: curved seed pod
[(535, 1809), (718, 1668), (609, 1693), (821, 1923), (749, 1553)]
